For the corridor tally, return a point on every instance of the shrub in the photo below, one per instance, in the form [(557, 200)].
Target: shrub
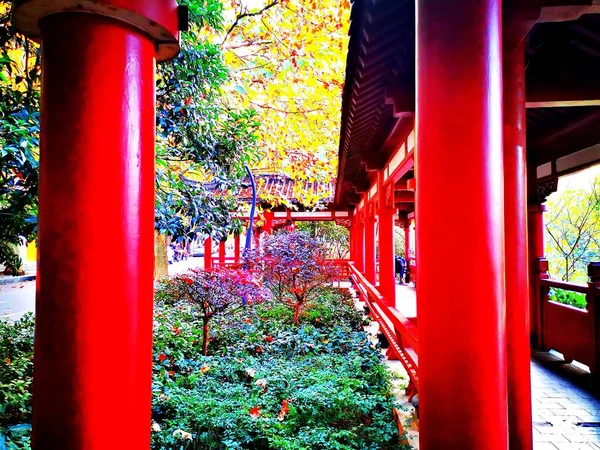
[(294, 266), (267, 385), (270, 384), (16, 372), (212, 292)]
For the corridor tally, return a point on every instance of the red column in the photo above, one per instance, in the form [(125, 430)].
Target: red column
[(268, 227), (517, 265), (236, 248), (351, 240), (360, 243), (208, 253), (387, 262), (222, 253), (97, 187), (462, 346), (370, 268), (407, 245), (536, 251)]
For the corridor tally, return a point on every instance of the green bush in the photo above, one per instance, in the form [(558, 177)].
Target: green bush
[(568, 298), (16, 372), (267, 384)]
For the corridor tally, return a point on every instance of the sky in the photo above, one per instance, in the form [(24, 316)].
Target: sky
[(578, 180)]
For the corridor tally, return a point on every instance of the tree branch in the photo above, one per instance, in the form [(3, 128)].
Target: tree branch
[(248, 14)]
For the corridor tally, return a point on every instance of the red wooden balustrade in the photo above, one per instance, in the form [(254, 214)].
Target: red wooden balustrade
[(229, 262), (341, 270), (572, 331), (400, 332)]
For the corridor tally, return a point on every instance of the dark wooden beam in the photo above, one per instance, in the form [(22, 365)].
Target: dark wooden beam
[(559, 72), (577, 131), (404, 196)]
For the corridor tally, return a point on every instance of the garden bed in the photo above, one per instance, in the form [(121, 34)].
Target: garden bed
[(265, 384), (265, 358)]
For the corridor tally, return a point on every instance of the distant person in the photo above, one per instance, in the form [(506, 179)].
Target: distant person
[(400, 268)]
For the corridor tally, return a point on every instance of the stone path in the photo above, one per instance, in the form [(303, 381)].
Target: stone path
[(16, 299), (566, 411), (565, 400)]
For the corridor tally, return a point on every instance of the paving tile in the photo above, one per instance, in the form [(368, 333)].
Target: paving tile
[(544, 446), (574, 446)]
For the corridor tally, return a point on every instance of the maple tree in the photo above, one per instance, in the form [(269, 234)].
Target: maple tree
[(294, 266), (213, 292), (287, 60)]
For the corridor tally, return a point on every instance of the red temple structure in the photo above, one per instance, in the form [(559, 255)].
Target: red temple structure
[(458, 117)]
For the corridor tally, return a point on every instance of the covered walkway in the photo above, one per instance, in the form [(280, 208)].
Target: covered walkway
[(566, 410)]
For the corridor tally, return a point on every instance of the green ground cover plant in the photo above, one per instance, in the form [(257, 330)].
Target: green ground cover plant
[(568, 298), (264, 384)]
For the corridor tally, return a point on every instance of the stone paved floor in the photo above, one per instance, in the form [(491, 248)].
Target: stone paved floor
[(566, 412), (565, 400)]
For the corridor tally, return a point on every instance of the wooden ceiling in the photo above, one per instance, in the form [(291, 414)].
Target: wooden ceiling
[(562, 82)]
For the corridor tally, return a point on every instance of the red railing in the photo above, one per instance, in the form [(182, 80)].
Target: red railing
[(400, 332), (228, 262), (572, 331), (341, 270)]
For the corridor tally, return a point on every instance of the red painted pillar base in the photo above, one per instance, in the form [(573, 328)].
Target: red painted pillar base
[(517, 266), (208, 254), (387, 262), (94, 301), (462, 346)]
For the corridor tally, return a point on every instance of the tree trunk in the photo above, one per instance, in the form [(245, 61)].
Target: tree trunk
[(161, 265), (205, 336), (297, 307)]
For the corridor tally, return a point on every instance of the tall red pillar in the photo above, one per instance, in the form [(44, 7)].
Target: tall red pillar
[(222, 251), (387, 253), (360, 242), (407, 243), (536, 250), (268, 227), (236, 248), (517, 265), (96, 175), (208, 264), (352, 240), (462, 345), (370, 268), (387, 262)]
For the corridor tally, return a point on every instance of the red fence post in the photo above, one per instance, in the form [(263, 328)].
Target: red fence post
[(517, 273), (462, 346), (96, 174)]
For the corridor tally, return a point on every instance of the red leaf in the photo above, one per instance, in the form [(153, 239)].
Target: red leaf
[(162, 357), (255, 412)]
